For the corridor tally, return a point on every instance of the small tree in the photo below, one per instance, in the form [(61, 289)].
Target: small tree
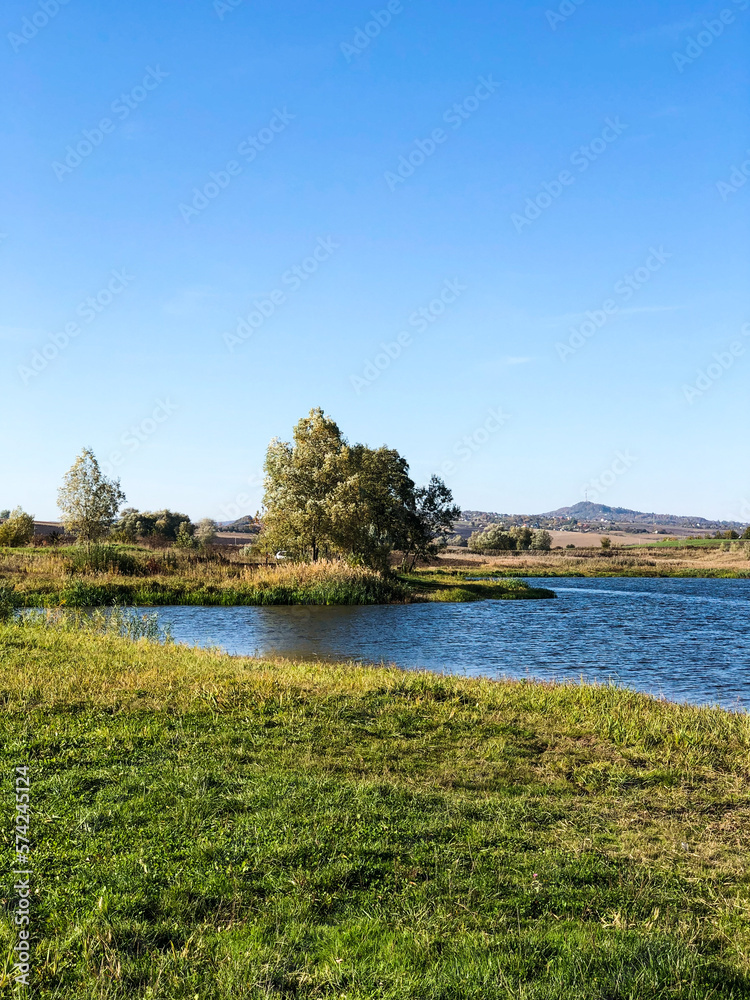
[(205, 532), (746, 534), (184, 538), (17, 529), (88, 500), (522, 536), (541, 541), (606, 542)]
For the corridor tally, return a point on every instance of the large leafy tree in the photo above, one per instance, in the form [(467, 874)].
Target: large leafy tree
[(88, 500), (373, 505), (301, 478), (323, 495)]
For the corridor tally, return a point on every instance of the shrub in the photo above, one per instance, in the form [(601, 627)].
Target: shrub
[(205, 533), (185, 537), (541, 541), (8, 602), (103, 559), (18, 529), (162, 525), (522, 537), (492, 539), (606, 542)]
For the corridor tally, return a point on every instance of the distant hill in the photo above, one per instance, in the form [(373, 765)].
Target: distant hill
[(587, 511), (246, 523), (594, 516)]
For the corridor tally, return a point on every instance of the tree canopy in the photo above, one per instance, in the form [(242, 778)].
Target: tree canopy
[(165, 525), (495, 538), (325, 496), (88, 500)]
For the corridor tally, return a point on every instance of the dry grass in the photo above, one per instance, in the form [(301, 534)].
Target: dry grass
[(730, 559)]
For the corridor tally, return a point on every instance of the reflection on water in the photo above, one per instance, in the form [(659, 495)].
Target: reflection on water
[(685, 639)]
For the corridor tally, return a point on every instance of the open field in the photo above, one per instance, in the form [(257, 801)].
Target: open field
[(118, 574), (213, 828), (724, 559)]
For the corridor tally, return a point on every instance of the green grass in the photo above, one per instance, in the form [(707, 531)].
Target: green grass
[(229, 828), (110, 574)]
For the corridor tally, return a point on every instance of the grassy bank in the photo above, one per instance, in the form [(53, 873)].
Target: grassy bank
[(128, 575), (214, 828)]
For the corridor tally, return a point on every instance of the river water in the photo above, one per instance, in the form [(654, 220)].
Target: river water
[(685, 639)]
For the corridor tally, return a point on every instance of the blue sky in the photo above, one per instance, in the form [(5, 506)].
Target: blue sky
[(543, 183)]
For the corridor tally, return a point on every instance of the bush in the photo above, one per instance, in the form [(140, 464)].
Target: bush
[(164, 525), (205, 532), (105, 559), (18, 529), (8, 602), (492, 539), (541, 541), (522, 537)]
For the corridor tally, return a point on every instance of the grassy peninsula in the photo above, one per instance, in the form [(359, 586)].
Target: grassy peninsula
[(214, 828), (71, 576)]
